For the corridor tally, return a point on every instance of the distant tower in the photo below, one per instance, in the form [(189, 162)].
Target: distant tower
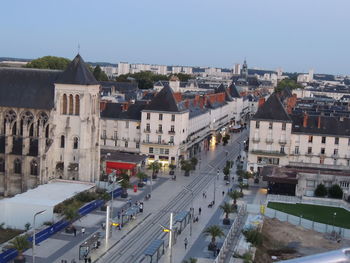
[(244, 71), (311, 75)]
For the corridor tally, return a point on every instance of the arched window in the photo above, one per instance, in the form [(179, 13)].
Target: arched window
[(70, 104), (75, 143), (14, 129), (31, 130), (47, 132), (33, 168), (17, 166), (2, 165), (77, 105), (62, 141), (64, 104)]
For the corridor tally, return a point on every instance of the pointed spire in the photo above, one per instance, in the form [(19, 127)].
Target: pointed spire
[(77, 73)]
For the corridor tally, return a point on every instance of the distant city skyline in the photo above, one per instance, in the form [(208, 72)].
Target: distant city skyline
[(293, 35)]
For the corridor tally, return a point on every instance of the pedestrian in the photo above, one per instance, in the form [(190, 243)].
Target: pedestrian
[(118, 215), (83, 231), (186, 242), (203, 194), (217, 251), (223, 193), (89, 260), (199, 211), (74, 231), (85, 259)]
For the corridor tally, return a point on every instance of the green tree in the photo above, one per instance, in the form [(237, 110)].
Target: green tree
[(214, 231), (320, 190), (49, 62), (70, 212), (234, 195), (194, 162), (141, 177), (225, 139), (182, 76), (186, 166), (253, 236), (155, 167), (190, 260), (99, 74), (290, 83), (228, 209), (27, 226), (226, 172), (335, 191), (20, 243)]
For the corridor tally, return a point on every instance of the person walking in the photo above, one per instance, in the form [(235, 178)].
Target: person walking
[(83, 231), (89, 260), (223, 193), (74, 231), (199, 211), (186, 243)]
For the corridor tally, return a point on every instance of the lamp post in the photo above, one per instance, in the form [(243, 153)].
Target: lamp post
[(111, 215), (35, 215), (171, 238), (334, 215), (192, 208)]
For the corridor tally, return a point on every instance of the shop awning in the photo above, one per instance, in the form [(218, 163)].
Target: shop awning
[(120, 165)]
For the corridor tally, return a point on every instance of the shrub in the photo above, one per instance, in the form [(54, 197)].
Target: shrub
[(320, 190), (253, 236), (335, 191)]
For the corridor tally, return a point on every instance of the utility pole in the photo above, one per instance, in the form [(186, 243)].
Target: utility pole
[(107, 224), (171, 239)]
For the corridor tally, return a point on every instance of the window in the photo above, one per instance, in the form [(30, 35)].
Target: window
[(160, 117), (2, 165), (33, 168), (147, 137), (159, 138), (148, 116), (115, 137), (148, 127), (64, 104), (77, 105), (348, 162), (62, 141), (126, 144), (310, 183), (161, 151), (160, 128), (310, 138), (323, 150), (17, 166), (137, 145), (270, 125), (171, 139), (257, 124), (104, 134), (75, 143), (296, 150), (309, 150), (335, 152), (173, 117), (282, 149), (336, 140), (150, 150), (172, 128), (344, 184), (126, 124), (284, 125), (70, 104), (323, 140), (166, 151)]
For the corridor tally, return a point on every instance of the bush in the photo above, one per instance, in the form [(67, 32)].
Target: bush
[(48, 223), (320, 190), (253, 236), (335, 191)]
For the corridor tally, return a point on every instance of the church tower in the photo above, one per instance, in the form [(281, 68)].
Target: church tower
[(76, 151), (244, 71)]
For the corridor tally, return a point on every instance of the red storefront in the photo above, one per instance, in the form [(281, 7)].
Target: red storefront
[(129, 168)]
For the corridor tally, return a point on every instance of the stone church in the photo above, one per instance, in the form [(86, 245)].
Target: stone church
[(49, 126)]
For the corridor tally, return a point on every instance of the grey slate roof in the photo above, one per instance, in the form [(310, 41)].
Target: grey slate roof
[(221, 89), (233, 91), (78, 73), (164, 101), (114, 111), (272, 110), (27, 88)]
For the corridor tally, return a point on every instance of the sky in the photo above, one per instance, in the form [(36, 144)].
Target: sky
[(296, 35)]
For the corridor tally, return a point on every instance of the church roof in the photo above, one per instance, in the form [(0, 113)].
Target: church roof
[(221, 89), (78, 73), (27, 88), (164, 101), (233, 91), (272, 109)]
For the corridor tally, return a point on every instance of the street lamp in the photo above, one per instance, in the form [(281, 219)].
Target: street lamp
[(334, 215), (192, 207), (33, 251)]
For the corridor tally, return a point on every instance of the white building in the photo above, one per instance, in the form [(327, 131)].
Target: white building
[(123, 68)]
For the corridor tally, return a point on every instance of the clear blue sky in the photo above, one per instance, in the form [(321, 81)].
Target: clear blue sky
[(293, 34)]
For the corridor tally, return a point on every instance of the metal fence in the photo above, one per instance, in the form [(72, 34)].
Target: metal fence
[(232, 235)]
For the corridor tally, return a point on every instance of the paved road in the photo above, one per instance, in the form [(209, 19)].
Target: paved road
[(132, 247)]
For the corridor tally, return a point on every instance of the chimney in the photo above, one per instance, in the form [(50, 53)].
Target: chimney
[(261, 101), (319, 122), (103, 105), (306, 117)]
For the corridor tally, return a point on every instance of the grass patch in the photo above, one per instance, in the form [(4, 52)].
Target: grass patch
[(7, 234), (317, 213)]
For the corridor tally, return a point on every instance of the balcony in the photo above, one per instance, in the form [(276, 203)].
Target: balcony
[(256, 140), (158, 143), (309, 154), (147, 130), (282, 141), (317, 165), (270, 153), (159, 131), (335, 155), (269, 140), (171, 132)]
